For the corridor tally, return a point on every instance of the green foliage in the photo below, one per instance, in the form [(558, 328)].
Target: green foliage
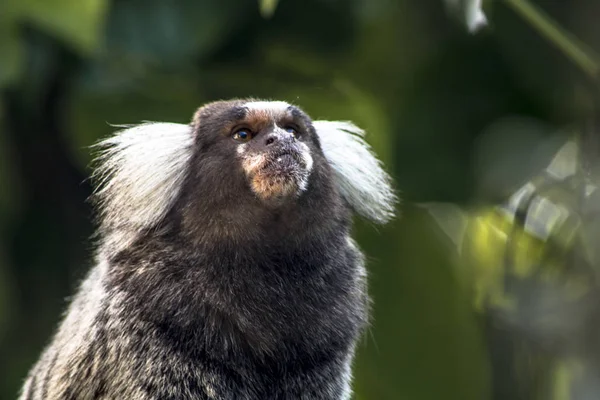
[(78, 23), (10, 46), (424, 343)]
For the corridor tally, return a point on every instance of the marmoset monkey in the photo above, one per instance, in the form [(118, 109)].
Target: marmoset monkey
[(225, 267)]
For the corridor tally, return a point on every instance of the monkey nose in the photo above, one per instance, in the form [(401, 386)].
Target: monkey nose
[(280, 137)]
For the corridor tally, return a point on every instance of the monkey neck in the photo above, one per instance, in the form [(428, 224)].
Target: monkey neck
[(242, 218)]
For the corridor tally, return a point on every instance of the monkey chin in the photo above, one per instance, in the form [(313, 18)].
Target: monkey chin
[(279, 179)]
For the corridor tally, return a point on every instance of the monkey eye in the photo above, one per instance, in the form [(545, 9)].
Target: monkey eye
[(292, 130), (243, 135)]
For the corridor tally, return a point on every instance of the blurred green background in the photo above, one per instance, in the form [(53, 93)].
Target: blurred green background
[(427, 91)]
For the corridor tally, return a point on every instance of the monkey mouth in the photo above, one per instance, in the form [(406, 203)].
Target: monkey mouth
[(283, 162), (282, 175)]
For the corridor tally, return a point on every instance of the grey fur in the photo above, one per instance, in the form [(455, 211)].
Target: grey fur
[(186, 302)]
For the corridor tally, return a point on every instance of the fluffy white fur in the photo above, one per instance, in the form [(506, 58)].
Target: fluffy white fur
[(140, 173), (308, 161), (360, 175)]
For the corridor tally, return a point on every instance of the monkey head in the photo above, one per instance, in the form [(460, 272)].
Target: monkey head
[(238, 164), (272, 143)]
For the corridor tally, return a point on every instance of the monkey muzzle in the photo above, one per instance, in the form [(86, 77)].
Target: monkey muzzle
[(279, 173)]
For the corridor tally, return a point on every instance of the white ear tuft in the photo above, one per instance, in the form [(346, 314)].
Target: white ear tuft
[(140, 173), (359, 174)]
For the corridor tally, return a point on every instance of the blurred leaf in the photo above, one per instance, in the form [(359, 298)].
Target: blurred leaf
[(474, 15), (470, 12), (79, 23), (533, 267), (11, 57), (267, 7)]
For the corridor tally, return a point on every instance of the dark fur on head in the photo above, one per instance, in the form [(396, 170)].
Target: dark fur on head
[(226, 269)]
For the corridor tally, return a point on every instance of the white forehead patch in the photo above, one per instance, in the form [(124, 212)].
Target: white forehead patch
[(267, 105)]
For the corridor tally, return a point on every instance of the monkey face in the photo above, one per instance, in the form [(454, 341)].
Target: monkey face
[(273, 156), (273, 143)]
